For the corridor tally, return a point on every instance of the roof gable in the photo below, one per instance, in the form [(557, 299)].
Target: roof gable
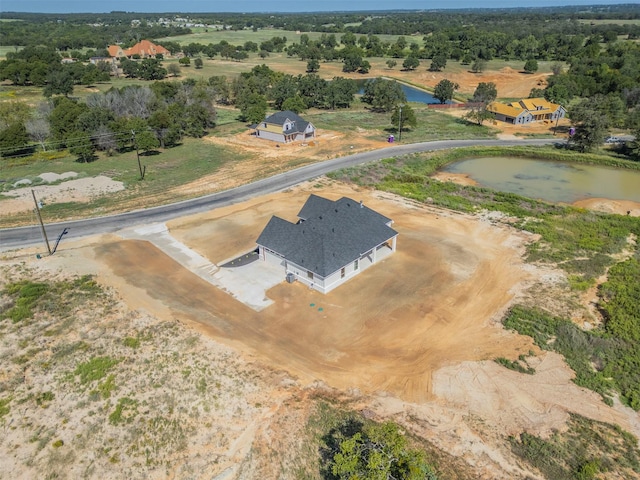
[(280, 118), (508, 110), (329, 236), (146, 47)]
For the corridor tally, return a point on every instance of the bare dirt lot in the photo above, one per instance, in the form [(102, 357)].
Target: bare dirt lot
[(411, 339), (388, 329)]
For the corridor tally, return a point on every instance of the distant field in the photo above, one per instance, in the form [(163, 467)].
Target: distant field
[(206, 36), (8, 48), (280, 62), (611, 22)]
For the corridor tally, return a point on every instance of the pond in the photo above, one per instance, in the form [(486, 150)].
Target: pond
[(413, 94), (549, 180)]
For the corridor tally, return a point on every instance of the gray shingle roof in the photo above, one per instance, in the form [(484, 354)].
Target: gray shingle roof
[(279, 118), (330, 235)]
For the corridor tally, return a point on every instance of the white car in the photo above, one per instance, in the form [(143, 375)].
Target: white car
[(613, 140)]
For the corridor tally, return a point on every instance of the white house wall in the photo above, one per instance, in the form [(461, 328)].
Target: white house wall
[(276, 137), (334, 280)]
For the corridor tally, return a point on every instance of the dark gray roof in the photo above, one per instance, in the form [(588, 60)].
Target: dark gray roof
[(279, 118), (329, 236)]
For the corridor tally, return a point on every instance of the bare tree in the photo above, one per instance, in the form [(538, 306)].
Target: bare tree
[(105, 139), (138, 101), (38, 129)]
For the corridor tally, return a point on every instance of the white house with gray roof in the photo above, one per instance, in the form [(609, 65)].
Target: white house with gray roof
[(285, 127), (331, 242)]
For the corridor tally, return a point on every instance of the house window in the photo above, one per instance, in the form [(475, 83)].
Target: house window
[(355, 264), (342, 272), (309, 275)]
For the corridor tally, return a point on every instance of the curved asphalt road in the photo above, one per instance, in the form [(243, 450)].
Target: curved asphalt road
[(26, 236)]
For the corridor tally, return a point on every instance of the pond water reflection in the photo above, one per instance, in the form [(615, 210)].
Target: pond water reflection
[(549, 180)]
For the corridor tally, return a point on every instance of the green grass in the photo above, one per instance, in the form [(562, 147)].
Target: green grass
[(131, 342), (94, 369), (587, 449), (602, 362), (4, 49), (432, 125), (26, 295), (170, 168), (4, 406), (239, 37), (125, 412), (519, 365)]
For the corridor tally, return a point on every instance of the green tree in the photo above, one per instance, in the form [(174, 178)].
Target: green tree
[(285, 87), (63, 117), (438, 62), (58, 82), (146, 140), (164, 127), (365, 66), (486, 92), (14, 140), (184, 61), (411, 62), (634, 146), (479, 114), (557, 93), (80, 145), (383, 95), (379, 452), (403, 117), (151, 69), (339, 93), (253, 109), (444, 90), (531, 65), (351, 62), (296, 104), (479, 65), (313, 65), (173, 69), (392, 63), (591, 124), (129, 67), (198, 63)]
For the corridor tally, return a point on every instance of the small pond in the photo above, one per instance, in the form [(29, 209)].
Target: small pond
[(549, 180), (412, 94)]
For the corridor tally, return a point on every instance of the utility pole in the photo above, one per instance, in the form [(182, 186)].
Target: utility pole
[(556, 127), (44, 233), (400, 123), (142, 170)]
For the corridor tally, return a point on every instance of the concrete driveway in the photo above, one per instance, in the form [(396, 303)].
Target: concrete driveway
[(248, 283)]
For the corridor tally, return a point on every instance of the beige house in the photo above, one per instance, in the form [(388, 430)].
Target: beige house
[(526, 111), (285, 127)]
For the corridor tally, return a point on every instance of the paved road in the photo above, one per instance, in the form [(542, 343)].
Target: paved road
[(26, 236)]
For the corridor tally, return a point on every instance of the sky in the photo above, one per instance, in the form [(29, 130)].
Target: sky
[(144, 6)]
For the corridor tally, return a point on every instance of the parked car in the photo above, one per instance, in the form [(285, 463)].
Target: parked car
[(612, 140)]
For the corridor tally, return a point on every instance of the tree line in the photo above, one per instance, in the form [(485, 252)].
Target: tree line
[(144, 117)]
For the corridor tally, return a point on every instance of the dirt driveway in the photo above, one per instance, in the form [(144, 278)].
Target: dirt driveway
[(431, 304)]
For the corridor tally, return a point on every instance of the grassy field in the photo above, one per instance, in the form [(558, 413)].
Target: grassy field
[(165, 171), (611, 21), (239, 37)]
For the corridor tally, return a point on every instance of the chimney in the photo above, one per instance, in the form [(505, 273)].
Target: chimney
[(361, 204)]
